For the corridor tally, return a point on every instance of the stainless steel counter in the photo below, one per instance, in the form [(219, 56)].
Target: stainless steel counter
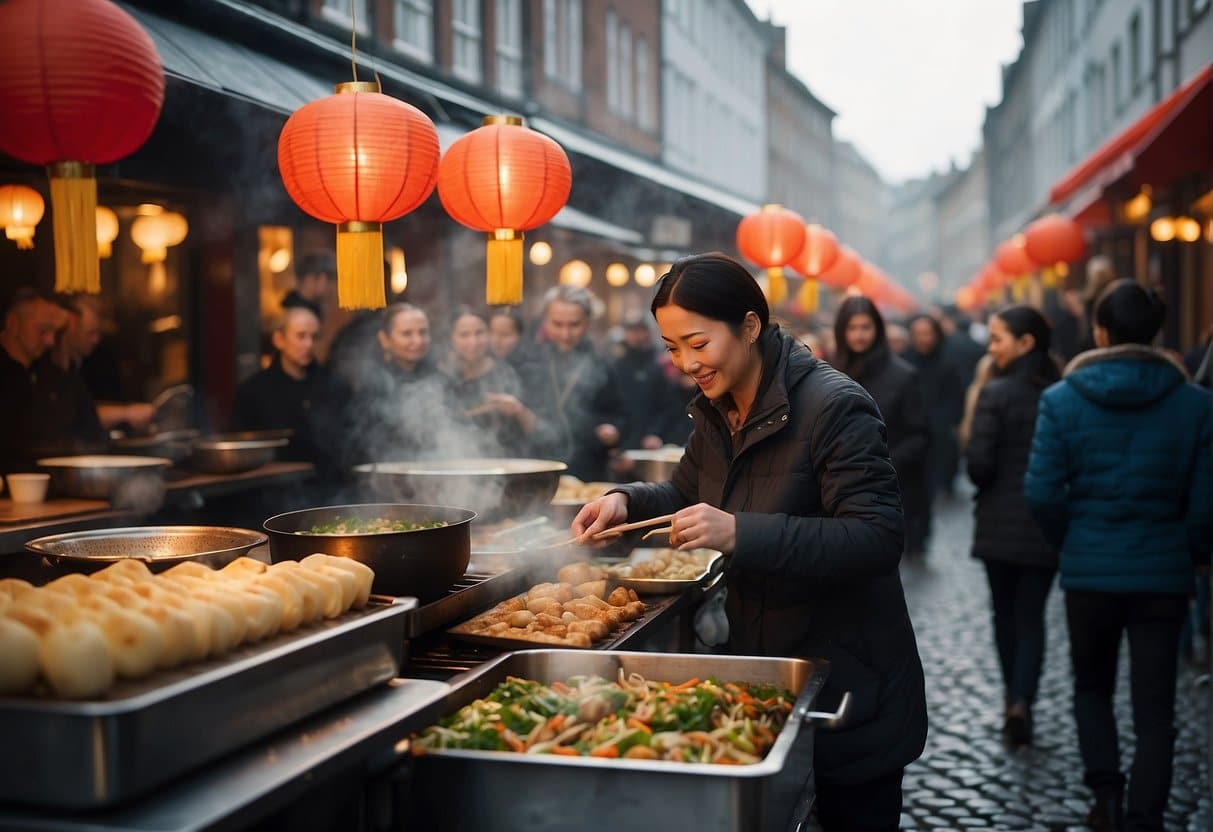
[(251, 784)]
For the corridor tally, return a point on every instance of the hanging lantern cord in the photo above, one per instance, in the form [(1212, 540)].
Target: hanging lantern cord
[(354, 40)]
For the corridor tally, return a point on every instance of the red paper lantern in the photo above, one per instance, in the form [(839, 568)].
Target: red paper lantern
[(1054, 239), (1012, 258), (771, 238), (843, 271), (504, 178), (819, 252), (80, 85), (358, 159)]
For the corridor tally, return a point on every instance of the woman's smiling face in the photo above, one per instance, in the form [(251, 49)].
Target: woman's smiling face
[(707, 350)]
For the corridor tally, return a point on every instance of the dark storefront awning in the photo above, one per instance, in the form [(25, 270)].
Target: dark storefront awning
[(229, 68), (1171, 141)]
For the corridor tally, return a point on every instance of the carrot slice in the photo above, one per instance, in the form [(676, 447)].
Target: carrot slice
[(605, 751), (633, 722), (564, 751)]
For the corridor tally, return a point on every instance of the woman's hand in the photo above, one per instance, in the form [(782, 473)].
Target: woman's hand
[(704, 527), (597, 515), (504, 403)]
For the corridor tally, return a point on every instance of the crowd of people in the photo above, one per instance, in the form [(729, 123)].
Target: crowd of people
[(815, 468)]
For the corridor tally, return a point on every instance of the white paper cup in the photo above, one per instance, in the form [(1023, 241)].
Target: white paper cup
[(28, 488)]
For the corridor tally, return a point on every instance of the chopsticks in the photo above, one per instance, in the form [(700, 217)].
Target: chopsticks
[(616, 531)]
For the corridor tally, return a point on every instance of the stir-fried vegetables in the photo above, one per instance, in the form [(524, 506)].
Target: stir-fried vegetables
[(695, 722), (374, 525)]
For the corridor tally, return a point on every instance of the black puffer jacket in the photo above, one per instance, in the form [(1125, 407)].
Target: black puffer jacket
[(819, 536), (997, 459), (893, 383)]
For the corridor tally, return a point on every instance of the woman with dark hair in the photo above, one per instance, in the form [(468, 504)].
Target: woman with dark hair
[(943, 391), (484, 390), (1121, 478), (1020, 563), (787, 472), (506, 331), (862, 352)]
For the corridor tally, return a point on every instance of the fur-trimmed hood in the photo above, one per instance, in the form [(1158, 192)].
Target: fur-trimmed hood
[(1127, 376)]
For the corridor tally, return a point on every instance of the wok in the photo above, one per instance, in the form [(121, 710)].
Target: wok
[(494, 488), (234, 452), (157, 546), (422, 563), (123, 480)]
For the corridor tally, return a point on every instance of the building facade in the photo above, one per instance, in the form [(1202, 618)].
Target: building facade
[(1108, 102), (800, 140), (860, 200), (964, 228), (714, 94)]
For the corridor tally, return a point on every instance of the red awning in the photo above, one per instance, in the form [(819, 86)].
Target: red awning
[(1173, 139)]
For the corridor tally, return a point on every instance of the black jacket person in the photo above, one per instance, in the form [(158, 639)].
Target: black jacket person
[(788, 473), (295, 393)]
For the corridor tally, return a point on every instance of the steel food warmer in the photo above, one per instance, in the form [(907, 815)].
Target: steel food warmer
[(312, 733)]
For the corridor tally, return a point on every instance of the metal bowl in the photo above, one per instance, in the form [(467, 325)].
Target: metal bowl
[(494, 488), (170, 444), (233, 453), (129, 480), (158, 546), (423, 563), (655, 466)]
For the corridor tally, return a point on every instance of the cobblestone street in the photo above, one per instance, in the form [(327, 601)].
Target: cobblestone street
[(966, 778)]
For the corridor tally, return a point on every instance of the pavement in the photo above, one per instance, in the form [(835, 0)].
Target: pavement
[(967, 778)]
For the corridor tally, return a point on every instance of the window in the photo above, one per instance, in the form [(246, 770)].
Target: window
[(626, 85), (344, 12), (1134, 52), (612, 61), (644, 97), (551, 63), (562, 42), (572, 40), (1117, 93), (509, 47), (415, 28), (465, 36)]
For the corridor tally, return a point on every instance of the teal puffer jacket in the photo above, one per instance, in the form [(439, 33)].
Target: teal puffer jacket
[(1121, 472)]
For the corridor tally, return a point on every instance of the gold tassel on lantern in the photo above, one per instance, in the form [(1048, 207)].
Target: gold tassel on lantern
[(777, 286), (1019, 288), (503, 268), (74, 213), (360, 266), (809, 296)]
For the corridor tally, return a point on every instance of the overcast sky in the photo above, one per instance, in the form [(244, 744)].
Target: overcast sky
[(909, 78)]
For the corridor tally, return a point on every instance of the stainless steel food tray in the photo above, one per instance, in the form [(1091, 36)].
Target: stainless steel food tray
[(653, 610), (486, 790), (664, 586), (474, 591), (79, 755)]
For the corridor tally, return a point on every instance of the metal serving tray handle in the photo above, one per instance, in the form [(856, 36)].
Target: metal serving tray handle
[(826, 718), (81, 755)]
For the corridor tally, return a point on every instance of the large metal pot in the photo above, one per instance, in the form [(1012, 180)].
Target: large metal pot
[(494, 488), (157, 546), (129, 481), (423, 563), (655, 466), (233, 453)]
